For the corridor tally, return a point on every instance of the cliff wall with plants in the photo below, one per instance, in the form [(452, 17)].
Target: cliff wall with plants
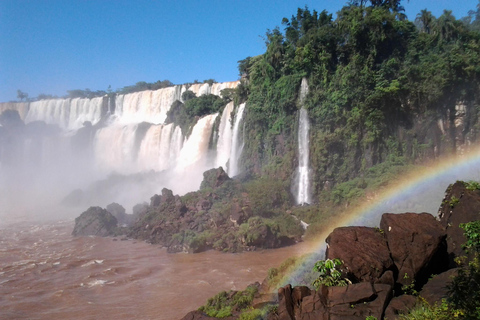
[(383, 90)]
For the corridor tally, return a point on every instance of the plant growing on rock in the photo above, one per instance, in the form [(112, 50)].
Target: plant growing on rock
[(330, 273), (464, 289)]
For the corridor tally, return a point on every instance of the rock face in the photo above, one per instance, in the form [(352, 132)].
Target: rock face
[(95, 222), (460, 205), (416, 243), (363, 250)]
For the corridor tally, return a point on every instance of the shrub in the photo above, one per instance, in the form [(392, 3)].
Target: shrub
[(330, 275)]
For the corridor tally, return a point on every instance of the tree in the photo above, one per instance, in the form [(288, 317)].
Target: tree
[(425, 20), (22, 95)]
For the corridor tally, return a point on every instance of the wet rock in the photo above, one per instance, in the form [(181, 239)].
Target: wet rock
[(95, 222), (414, 240), (363, 250)]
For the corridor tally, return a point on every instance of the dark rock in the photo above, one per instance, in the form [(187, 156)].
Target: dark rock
[(387, 278), (414, 240), (285, 303), (363, 250), (118, 212), (361, 300), (459, 205), (436, 288), (356, 301), (399, 305), (214, 178), (95, 222)]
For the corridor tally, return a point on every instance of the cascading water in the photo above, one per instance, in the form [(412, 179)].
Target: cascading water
[(127, 135), (237, 143), (302, 178), (69, 114), (224, 143)]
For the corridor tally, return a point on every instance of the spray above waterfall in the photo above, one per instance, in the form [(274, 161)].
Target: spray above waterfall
[(302, 176)]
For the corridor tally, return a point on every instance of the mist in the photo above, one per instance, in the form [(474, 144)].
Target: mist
[(60, 156)]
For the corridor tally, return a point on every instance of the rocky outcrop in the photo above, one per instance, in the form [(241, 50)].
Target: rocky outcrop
[(363, 250), (356, 301), (214, 178), (218, 216), (460, 205), (388, 266), (95, 222), (416, 243), (376, 260)]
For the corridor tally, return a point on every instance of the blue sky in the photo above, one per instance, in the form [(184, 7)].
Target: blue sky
[(50, 46)]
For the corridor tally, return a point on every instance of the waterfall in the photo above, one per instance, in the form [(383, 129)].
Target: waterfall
[(68, 114), (114, 148), (303, 170), (160, 148), (237, 143), (146, 106), (224, 143), (193, 153), (132, 138)]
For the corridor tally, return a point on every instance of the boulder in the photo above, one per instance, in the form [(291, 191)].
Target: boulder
[(95, 222), (399, 305), (414, 240), (214, 178), (355, 301), (363, 250), (436, 288), (459, 205)]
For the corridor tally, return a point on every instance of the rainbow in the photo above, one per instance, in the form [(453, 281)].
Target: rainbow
[(421, 190)]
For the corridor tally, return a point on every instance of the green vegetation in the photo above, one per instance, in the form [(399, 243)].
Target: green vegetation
[(330, 274), (424, 311), (225, 303), (377, 84)]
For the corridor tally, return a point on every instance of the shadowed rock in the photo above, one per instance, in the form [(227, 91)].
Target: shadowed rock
[(95, 222), (459, 205)]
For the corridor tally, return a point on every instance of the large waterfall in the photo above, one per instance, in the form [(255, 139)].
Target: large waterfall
[(302, 179), (131, 138)]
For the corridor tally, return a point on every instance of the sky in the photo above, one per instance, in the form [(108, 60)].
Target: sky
[(51, 46)]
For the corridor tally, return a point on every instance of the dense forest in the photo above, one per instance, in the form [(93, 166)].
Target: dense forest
[(380, 85)]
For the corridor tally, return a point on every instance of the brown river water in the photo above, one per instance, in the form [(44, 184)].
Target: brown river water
[(45, 273)]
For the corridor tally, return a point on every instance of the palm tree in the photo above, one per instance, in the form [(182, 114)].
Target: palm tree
[(447, 25), (426, 20)]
